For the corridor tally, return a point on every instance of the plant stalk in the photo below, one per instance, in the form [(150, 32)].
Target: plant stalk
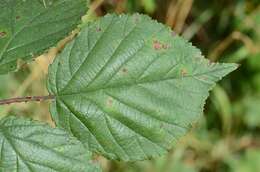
[(26, 99)]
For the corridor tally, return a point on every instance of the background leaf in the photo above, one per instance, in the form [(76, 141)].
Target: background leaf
[(27, 28), (32, 146), (128, 87)]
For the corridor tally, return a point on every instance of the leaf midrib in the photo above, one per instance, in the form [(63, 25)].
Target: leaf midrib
[(144, 82)]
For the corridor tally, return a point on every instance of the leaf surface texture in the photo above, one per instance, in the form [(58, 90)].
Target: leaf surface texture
[(30, 146), (128, 87), (29, 27)]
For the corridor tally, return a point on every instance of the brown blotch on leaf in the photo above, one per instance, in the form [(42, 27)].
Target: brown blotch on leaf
[(184, 72), (17, 17), (166, 46), (158, 45), (124, 70), (2, 34), (109, 102), (98, 29)]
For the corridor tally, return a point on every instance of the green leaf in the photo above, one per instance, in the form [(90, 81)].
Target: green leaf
[(29, 146), (128, 87), (29, 27)]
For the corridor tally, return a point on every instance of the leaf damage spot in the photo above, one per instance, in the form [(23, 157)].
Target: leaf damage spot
[(184, 72), (165, 46), (17, 17), (124, 70), (2, 34), (98, 29), (109, 102), (157, 45)]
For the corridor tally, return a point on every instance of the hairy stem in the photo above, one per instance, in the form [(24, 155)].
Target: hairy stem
[(26, 99)]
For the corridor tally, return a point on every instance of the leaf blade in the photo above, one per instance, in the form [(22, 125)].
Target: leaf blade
[(30, 27), (130, 87), (32, 146)]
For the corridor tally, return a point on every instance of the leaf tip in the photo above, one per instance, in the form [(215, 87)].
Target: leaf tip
[(229, 67)]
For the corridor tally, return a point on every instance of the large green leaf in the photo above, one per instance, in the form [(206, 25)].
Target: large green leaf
[(28, 27), (127, 86), (29, 146)]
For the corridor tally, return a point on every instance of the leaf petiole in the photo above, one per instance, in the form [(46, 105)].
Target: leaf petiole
[(26, 99)]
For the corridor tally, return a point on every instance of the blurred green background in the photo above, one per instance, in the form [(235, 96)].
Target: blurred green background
[(227, 137)]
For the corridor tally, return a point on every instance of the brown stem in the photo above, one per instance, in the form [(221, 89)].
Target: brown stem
[(26, 99)]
